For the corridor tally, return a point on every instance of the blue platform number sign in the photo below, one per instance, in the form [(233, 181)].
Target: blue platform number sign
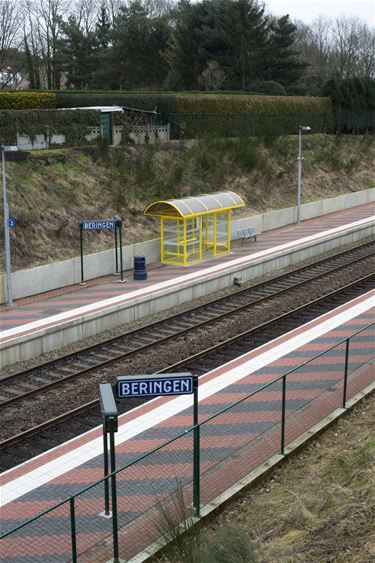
[(98, 224), (11, 222), (154, 385)]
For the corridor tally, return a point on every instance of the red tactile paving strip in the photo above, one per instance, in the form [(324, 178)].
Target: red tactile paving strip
[(65, 299), (249, 449)]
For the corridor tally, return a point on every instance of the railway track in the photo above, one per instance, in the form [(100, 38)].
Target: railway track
[(40, 438), (31, 382)]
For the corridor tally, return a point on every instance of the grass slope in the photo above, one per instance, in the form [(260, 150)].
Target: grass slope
[(50, 192), (318, 507)]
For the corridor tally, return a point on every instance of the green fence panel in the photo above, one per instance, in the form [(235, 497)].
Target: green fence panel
[(150, 488), (91, 525), (46, 539), (313, 391), (239, 439), (361, 352)]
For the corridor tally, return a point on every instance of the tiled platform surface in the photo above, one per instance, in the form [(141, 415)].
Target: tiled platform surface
[(232, 444), (60, 301)]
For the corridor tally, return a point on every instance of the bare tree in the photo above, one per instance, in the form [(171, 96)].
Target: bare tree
[(45, 20), (366, 51), (344, 48), (345, 39), (86, 12), (11, 17)]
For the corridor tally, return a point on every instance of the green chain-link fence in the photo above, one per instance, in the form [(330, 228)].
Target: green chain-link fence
[(233, 442)]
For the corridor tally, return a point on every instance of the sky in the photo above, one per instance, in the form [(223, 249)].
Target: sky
[(308, 10)]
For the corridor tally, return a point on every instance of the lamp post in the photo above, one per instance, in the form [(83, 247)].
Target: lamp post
[(300, 158), (6, 224)]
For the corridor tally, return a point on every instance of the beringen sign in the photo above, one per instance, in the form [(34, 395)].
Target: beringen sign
[(154, 385), (97, 224)]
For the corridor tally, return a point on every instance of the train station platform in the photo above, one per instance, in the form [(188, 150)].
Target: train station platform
[(38, 325), (233, 442)]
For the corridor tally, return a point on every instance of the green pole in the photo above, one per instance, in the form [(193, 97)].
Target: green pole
[(196, 452), (113, 490), (116, 257), (73, 530), (282, 448), (120, 236), (81, 246), (106, 482), (346, 373)]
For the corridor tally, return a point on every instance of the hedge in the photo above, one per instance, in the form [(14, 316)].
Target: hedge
[(190, 115), (224, 115), (71, 123), (231, 115), (27, 100)]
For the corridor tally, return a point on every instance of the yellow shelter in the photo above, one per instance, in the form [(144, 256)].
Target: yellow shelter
[(194, 225)]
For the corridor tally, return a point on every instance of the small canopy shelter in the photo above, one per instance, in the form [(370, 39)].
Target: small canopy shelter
[(194, 225)]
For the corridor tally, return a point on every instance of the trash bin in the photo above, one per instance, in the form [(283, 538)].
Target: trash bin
[(140, 272)]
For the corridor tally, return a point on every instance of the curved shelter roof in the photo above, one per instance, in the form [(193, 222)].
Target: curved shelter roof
[(197, 205)]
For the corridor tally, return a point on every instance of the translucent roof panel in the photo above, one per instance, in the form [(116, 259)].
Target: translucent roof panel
[(196, 205)]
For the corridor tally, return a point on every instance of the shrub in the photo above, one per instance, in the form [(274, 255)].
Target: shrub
[(270, 87), (353, 101), (27, 100), (230, 544)]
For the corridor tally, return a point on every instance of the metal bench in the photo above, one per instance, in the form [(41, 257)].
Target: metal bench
[(246, 234)]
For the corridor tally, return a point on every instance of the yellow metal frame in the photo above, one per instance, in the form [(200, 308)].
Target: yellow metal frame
[(189, 236)]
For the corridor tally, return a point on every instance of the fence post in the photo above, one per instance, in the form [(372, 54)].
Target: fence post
[(116, 257), (114, 494), (120, 242), (282, 447), (106, 471), (73, 530), (345, 373), (81, 249), (196, 452)]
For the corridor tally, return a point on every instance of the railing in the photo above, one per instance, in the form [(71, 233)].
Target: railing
[(233, 442)]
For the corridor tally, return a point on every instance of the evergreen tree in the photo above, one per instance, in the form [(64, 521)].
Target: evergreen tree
[(186, 53), (138, 43), (241, 29), (76, 52), (103, 28), (30, 66), (105, 65), (231, 34), (282, 64)]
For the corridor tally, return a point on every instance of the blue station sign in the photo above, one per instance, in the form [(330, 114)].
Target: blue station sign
[(97, 224), (155, 385)]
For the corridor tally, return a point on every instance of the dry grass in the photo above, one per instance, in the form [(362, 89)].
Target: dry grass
[(319, 507)]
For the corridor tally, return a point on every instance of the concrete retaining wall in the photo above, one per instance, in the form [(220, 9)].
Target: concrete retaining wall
[(54, 338), (68, 272)]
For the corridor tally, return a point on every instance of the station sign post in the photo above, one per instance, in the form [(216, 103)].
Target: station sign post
[(7, 223), (168, 385), (98, 225), (110, 426)]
